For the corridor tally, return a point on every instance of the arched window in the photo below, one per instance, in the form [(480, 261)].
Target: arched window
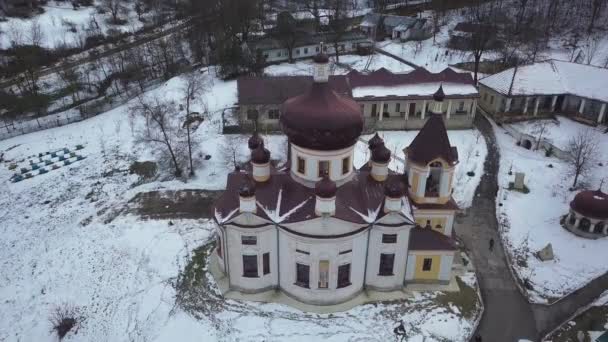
[(584, 224), (434, 179), (572, 219), (599, 228)]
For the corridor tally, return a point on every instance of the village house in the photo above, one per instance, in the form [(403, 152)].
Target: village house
[(544, 88), (377, 25), (387, 100), (307, 46), (320, 230)]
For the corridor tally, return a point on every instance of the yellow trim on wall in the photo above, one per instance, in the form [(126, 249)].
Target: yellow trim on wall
[(415, 181), (433, 273)]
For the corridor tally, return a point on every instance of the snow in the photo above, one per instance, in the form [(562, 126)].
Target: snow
[(531, 221), (421, 89), (55, 25), (471, 147), (551, 78), (372, 215)]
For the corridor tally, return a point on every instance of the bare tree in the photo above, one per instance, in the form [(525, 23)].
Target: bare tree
[(338, 24), (115, 7), (590, 48), (162, 126), (581, 154), (36, 35), (192, 89), (539, 128), (286, 32), (484, 31)]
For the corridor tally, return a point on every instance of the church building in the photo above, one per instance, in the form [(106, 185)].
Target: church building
[(321, 231)]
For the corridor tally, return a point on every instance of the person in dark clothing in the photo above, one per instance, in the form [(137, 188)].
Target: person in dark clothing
[(477, 338), (491, 245)]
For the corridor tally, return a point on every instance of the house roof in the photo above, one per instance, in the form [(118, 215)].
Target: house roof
[(432, 142), (304, 39), (419, 83), (551, 77), (427, 239), (277, 89), (282, 200), (390, 21)]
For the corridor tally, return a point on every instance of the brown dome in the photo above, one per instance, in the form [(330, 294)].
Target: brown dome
[(247, 189), (593, 204), (393, 189), (255, 141), (260, 155), (326, 188), (320, 119), (375, 141), (381, 154)]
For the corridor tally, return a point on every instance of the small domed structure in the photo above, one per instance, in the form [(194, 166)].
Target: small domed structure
[(375, 141), (260, 155), (393, 189), (321, 58), (255, 141), (439, 94), (588, 215), (247, 189), (381, 154), (326, 188)]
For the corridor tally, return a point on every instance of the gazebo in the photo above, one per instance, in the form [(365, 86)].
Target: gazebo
[(588, 216)]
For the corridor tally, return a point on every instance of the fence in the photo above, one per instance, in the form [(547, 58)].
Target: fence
[(531, 141)]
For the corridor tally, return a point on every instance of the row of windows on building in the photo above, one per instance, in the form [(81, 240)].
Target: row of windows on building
[(323, 166), (412, 108), (585, 224), (304, 51)]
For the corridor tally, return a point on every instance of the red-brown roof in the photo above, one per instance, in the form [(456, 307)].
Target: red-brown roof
[(383, 77), (593, 204), (427, 239), (276, 89), (432, 142), (354, 199), (321, 119)]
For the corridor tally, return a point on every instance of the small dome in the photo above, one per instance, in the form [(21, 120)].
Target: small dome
[(393, 189), (589, 203), (439, 94), (375, 141), (260, 155), (321, 119), (247, 188), (326, 188), (381, 154), (255, 141), (321, 58)]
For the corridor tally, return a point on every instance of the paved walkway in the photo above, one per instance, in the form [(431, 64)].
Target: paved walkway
[(404, 61), (508, 316)]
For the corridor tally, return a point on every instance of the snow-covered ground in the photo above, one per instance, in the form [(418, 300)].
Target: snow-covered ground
[(68, 239), (531, 221), (57, 21)]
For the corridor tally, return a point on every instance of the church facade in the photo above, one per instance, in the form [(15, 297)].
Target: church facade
[(322, 231)]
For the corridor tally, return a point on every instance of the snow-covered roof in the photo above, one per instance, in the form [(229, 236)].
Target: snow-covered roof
[(424, 89), (550, 78)]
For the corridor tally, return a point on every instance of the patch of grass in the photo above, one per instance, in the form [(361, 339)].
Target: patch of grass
[(525, 190), (465, 300), (594, 319)]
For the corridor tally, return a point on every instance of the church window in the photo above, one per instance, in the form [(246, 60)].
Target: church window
[(323, 167), (302, 275), (599, 228), (427, 264), (301, 165), (323, 274), (250, 266), (434, 179), (389, 238), (572, 219), (584, 224), (266, 263), (386, 264), (219, 247), (343, 275), (249, 240), (345, 165), (397, 107)]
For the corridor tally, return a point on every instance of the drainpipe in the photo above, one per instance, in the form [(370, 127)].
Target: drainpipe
[(366, 256), (277, 256), (226, 262)]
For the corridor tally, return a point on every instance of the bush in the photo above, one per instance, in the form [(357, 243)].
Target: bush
[(525, 190), (63, 319), (549, 151), (145, 169), (470, 173)]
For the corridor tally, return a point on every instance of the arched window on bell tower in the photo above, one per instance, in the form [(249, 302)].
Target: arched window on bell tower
[(433, 182)]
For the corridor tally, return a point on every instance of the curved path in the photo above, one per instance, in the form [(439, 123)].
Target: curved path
[(508, 315)]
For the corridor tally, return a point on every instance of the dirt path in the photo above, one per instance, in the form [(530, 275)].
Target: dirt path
[(508, 316), (169, 204), (397, 58)]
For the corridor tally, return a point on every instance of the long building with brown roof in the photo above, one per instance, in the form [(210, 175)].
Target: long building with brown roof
[(387, 100)]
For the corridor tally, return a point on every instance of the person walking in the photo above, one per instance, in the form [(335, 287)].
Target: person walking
[(491, 245)]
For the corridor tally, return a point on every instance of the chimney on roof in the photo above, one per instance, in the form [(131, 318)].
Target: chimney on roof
[(393, 191), (380, 159), (321, 66), (325, 191), (247, 197), (260, 163)]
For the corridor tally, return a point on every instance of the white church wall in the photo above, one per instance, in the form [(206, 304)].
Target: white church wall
[(327, 225), (293, 249), (376, 247), (265, 243), (445, 271)]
